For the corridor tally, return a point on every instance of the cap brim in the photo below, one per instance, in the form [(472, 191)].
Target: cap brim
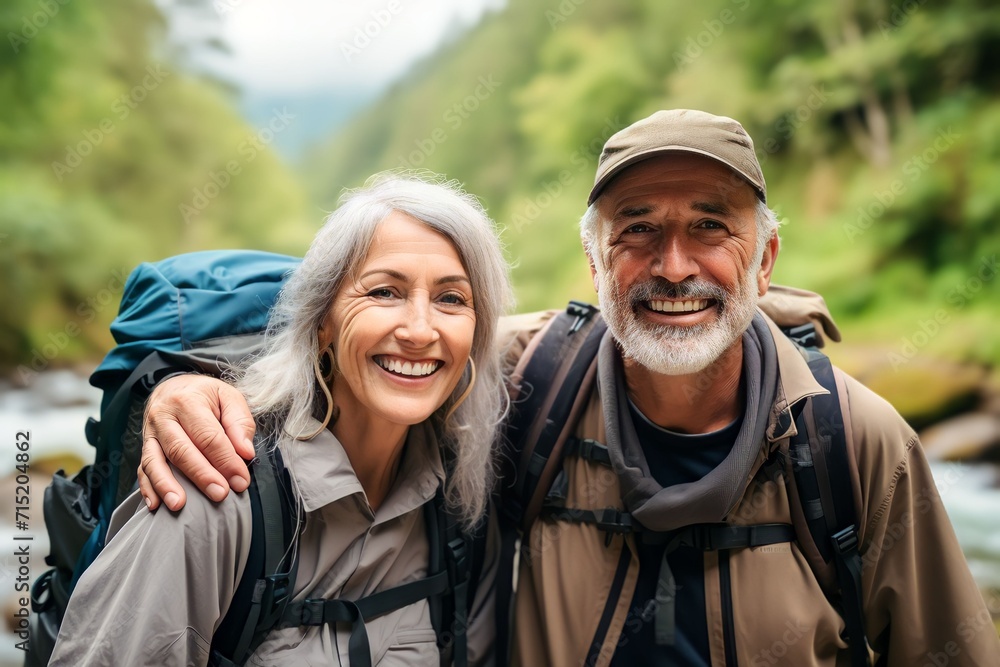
[(645, 155)]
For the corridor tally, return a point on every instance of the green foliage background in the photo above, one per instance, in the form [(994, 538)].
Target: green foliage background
[(82, 204), (845, 101)]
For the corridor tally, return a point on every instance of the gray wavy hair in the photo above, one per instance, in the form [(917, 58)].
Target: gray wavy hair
[(280, 384)]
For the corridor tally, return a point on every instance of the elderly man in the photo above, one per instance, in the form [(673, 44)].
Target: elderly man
[(696, 399)]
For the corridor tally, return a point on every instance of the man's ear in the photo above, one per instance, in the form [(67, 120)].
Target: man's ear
[(593, 273), (767, 264)]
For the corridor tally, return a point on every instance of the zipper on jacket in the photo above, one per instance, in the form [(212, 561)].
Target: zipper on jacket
[(609, 607), (728, 626)]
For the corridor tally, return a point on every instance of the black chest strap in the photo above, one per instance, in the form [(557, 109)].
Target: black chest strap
[(320, 611), (701, 536), (705, 537)]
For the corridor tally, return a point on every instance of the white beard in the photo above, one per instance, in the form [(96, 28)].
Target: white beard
[(674, 350)]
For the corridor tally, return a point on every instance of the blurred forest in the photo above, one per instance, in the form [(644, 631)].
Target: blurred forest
[(102, 141), (877, 123)]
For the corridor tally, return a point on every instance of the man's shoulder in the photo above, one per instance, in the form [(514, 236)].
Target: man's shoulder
[(872, 417), (882, 441), (524, 323), (516, 331)]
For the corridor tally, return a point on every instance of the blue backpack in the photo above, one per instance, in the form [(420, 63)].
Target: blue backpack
[(205, 312)]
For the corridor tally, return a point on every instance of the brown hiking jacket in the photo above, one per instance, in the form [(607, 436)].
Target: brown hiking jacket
[(766, 605)]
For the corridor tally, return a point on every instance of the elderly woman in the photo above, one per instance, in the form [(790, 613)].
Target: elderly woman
[(379, 372)]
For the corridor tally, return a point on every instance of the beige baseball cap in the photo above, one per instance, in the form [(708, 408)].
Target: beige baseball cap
[(686, 130)]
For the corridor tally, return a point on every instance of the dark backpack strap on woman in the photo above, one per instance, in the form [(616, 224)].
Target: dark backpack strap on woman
[(268, 580)]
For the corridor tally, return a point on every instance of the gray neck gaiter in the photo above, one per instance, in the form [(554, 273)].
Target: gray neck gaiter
[(711, 498)]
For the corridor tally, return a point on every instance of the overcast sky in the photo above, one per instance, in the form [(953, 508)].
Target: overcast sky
[(297, 46)]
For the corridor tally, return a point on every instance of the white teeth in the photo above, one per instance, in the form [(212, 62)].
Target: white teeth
[(678, 306), (407, 367)]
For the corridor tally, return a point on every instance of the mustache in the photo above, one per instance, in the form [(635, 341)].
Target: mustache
[(661, 288)]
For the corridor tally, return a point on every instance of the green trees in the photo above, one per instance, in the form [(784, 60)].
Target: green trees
[(108, 157), (876, 123)]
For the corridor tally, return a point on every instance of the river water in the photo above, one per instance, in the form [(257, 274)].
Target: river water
[(56, 407)]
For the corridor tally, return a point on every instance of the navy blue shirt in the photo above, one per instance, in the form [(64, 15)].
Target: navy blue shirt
[(673, 458)]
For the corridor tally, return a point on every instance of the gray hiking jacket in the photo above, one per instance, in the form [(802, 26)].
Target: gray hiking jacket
[(161, 587)]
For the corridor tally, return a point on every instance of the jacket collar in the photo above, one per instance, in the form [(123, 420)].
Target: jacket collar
[(795, 383), (322, 473)]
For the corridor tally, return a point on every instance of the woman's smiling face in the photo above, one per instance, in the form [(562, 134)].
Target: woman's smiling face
[(402, 326)]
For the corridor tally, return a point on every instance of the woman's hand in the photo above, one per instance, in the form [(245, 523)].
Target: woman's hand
[(204, 427)]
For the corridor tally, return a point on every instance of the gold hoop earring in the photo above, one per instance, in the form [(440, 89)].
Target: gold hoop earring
[(320, 379), (465, 394), (327, 356)]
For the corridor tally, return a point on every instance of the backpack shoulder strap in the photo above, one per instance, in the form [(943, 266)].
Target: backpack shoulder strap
[(557, 367), (460, 554), (268, 580), (821, 465), (560, 361)]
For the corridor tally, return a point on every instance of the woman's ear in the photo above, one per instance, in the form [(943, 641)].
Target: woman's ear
[(325, 333)]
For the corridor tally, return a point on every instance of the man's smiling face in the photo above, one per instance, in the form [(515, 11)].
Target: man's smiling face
[(677, 264)]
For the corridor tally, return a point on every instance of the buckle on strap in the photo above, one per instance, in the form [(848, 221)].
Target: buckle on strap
[(722, 536), (311, 612), (613, 521), (582, 312), (273, 592), (593, 451), (458, 559), (804, 335), (703, 537), (846, 541)]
